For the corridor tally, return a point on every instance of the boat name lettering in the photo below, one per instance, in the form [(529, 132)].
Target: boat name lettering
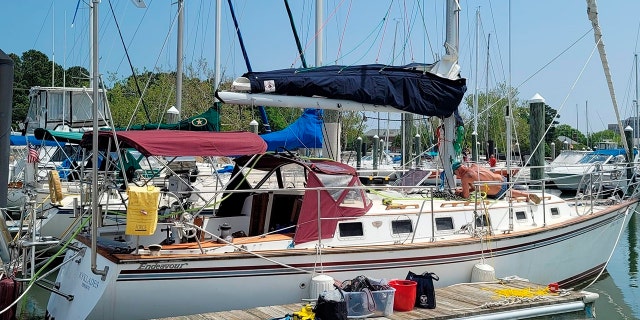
[(87, 281), (161, 266)]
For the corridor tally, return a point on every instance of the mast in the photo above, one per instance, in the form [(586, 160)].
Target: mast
[(331, 144), (216, 72), (486, 106), (95, 217), (636, 130), (474, 134), (179, 57), (448, 67), (592, 13)]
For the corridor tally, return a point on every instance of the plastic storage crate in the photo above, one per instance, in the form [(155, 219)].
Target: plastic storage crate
[(378, 304)]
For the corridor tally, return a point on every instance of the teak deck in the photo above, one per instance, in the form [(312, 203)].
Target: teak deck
[(457, 301)]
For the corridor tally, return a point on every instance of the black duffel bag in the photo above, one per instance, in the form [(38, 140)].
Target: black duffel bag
[(425, 291), (331, 309)]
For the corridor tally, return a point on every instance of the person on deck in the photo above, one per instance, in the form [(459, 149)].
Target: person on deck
[(470, 175)]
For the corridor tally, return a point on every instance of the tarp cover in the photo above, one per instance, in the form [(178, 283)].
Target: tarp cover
[(206, 121), (16, 140), (305, 132), (176, 143), (60, 136), (403, 87)]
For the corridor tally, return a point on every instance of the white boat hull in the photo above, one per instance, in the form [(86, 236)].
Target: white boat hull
[(141, 287)]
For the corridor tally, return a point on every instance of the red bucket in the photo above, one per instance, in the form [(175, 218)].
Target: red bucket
[(405, 296)]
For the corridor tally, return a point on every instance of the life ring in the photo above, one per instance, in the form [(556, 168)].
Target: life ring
[(55, 188)]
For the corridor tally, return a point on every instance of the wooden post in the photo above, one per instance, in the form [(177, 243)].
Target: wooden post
[(374, 156), (536, 134), (628, 135), (359, 153)]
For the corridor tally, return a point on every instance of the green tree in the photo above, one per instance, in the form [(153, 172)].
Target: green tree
[(605, 135), (77, 77)]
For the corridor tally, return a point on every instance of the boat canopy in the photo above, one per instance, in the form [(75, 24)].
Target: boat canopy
[(408, 88), (305, 132), (176, 143), (332, 185), (60, 136)]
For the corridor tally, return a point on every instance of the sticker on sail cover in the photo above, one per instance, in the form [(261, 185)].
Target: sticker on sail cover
[(269, 86), (199, 122)]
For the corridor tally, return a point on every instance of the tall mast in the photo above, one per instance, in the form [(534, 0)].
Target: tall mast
[(179, 57), (486, 106), (592, 13), (95, 212), (636, 130), (331, 144), (474, 134), (216, 72), (448, 67)]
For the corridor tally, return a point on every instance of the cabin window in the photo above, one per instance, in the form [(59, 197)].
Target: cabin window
[(401, 226), (521, 215), (353, 199), (555, 212), (330, 181), (482, 221), (350, 229), (444, 224)]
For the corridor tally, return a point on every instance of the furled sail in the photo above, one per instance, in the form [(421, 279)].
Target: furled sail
[(409, 88)]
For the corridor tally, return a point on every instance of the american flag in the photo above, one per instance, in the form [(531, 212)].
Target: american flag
[(32, 155)]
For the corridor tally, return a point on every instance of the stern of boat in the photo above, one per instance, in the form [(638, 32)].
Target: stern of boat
[(78, 288)]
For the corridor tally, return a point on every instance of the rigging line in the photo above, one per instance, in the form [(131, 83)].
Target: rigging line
[(135, 32), (195, 36), (75, 13), (562, 105), (324, 24), (263, 113), (379, 29), (344, 30), (408, 33), (553, 60), (384, 32), (133, 71), (500, 59), (409, 29), (295, 35), (424, 26), (42, 26), (150, 74)]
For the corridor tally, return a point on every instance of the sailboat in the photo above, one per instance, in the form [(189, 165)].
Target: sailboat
[(284, 220)]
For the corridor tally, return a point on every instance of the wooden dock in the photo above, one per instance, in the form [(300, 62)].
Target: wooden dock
[(498, 300)]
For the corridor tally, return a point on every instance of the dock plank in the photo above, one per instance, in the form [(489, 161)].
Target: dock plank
[(462, 300)]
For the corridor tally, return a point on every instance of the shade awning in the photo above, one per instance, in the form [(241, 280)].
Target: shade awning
[(172, 143)]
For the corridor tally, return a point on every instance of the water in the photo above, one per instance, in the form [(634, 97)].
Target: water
[(618, 287)]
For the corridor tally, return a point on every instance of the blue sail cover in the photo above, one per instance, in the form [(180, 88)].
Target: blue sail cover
[(16, 140), (306, 132), (407, 88)]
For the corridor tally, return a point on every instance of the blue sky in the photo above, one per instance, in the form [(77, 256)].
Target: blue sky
[(547, 48)]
